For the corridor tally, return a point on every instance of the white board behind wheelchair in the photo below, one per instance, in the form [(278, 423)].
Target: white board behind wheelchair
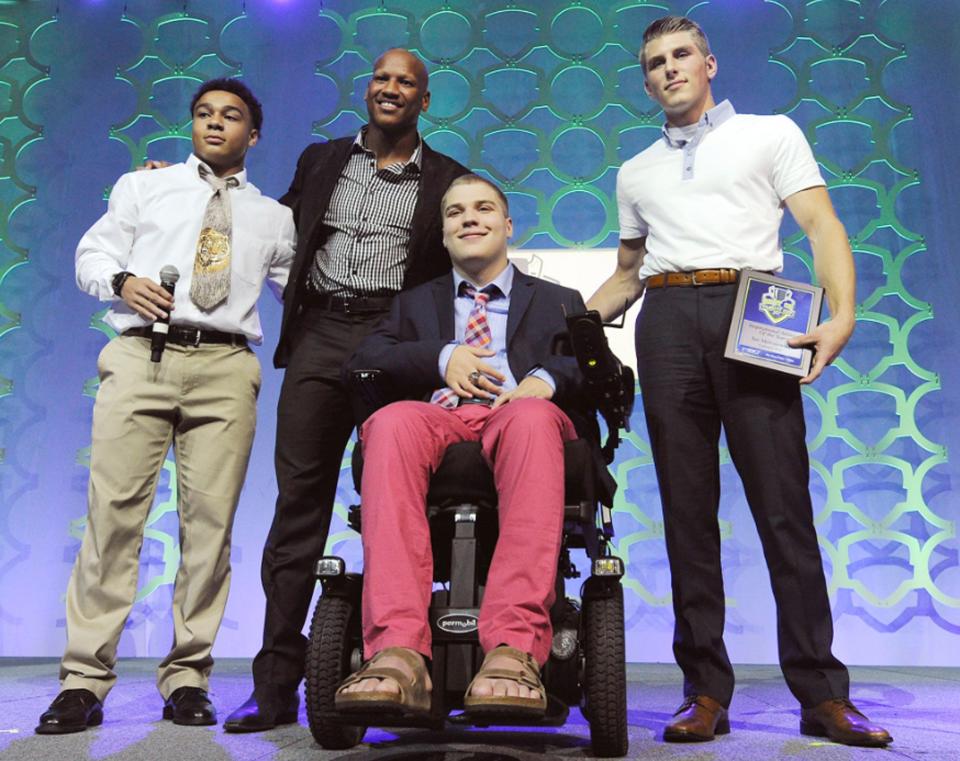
[(583, 270)]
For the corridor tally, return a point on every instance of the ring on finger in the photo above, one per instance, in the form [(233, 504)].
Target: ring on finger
[(474, 377)]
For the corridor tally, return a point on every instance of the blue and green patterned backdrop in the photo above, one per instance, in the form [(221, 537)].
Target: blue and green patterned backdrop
[(547, 98)]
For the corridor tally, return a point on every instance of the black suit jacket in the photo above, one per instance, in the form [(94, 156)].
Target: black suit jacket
[(318, 171), (406, 345)]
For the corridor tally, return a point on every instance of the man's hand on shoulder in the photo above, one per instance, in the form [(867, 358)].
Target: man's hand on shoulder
[(827, 341), (153, 164), (146, 298), (531, 386), (469, 376)]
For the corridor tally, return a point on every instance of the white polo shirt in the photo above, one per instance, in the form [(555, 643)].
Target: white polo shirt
[(716, 199)]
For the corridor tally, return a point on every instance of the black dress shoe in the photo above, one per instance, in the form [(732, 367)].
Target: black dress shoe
[(190, 707), (262, 712), (71, 711)]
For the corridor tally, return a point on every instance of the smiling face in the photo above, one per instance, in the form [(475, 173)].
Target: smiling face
[(476, 229), (397, 92), (678, 76), (222, 131)]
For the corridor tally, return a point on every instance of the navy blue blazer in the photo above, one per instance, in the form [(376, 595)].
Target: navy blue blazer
[(406, 345), (318, 171)]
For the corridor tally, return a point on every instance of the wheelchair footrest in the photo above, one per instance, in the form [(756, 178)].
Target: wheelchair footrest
[(556, 716), (384, 719)]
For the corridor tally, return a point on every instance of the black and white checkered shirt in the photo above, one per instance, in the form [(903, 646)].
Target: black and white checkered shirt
[(369, 219)]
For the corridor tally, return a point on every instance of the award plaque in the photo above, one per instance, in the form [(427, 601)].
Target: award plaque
[(768, 311)]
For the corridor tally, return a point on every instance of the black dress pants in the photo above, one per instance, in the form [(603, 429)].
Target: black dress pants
[(314, 423), (689, 391)]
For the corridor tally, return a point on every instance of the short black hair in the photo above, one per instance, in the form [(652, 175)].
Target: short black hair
[(239, 89)]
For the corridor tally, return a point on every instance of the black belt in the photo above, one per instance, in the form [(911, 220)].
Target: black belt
[(346, 304), (186, 336)]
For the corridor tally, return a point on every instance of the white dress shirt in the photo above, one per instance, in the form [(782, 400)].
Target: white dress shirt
[(153, 219)]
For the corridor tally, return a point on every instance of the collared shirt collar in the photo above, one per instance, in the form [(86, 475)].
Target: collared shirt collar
[(503, 281), (194, 162), (710, 120), (415, 158)]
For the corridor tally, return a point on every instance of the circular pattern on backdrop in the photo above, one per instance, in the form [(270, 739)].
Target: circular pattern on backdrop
[(446, 35), (510, 31), (577, 31), (579, 216), (579, 152), (451, 143), (450, 94), (577, 91)]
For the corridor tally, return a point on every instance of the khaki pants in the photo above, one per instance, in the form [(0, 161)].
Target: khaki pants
[(203, 401)]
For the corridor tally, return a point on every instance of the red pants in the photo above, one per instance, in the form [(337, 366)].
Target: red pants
[(403, 444)]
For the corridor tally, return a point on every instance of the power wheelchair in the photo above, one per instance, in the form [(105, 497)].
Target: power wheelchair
[(586, 667)]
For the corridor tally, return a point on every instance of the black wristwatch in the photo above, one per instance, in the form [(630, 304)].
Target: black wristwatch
[(119, 279)]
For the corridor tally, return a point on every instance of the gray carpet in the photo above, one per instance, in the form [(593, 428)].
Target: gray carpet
[(918, 706)]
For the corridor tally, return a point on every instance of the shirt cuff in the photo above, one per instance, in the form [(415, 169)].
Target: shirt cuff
[(539, 372), (444, 360)]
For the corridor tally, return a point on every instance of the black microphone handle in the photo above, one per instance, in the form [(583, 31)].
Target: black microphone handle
[(158, 338)]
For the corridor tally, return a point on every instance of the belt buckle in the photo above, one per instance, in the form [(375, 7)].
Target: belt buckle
[(347, 301), (693, 278), (195, 339)]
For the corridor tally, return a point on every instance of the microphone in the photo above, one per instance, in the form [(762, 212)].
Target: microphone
[(169, 276)]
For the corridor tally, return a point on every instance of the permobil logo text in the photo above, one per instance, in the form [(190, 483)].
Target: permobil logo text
[(458, 623)]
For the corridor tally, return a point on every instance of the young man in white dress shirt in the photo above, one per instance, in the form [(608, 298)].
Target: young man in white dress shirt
[(697, 206), (205, 219)]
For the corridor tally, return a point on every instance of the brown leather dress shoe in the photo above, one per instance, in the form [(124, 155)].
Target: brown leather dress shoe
[(697, 719), (840, 720)]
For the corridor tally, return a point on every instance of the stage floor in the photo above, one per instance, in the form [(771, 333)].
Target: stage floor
[(918, 706)]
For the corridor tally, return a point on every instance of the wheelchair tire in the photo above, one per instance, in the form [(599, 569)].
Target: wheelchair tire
[(334, 633), (605, 674)]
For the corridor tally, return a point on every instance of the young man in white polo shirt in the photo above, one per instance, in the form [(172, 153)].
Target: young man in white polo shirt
[(696, 207)]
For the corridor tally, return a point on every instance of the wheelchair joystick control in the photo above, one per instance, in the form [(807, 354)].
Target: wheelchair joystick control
[(609, 381)]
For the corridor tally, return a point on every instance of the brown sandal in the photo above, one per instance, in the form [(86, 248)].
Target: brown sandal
[(527, 675), (413, 698)]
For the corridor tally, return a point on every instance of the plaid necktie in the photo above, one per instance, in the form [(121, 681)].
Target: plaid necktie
[(211, 265), (477, 334)]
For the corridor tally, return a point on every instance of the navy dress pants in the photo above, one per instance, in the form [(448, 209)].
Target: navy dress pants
[(689, 391)]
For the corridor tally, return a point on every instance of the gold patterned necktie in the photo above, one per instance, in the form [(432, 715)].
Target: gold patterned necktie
[(211, 265)]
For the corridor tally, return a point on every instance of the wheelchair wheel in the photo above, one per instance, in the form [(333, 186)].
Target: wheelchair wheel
[(334, 635), (605, 672)]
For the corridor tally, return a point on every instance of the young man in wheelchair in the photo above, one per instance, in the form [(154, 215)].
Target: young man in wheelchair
[(475, 345)]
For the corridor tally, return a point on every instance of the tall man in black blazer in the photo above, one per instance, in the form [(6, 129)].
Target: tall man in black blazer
[(477, 344), (366, 210)]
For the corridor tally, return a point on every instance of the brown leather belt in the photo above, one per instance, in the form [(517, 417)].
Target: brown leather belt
[(693, 277)]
